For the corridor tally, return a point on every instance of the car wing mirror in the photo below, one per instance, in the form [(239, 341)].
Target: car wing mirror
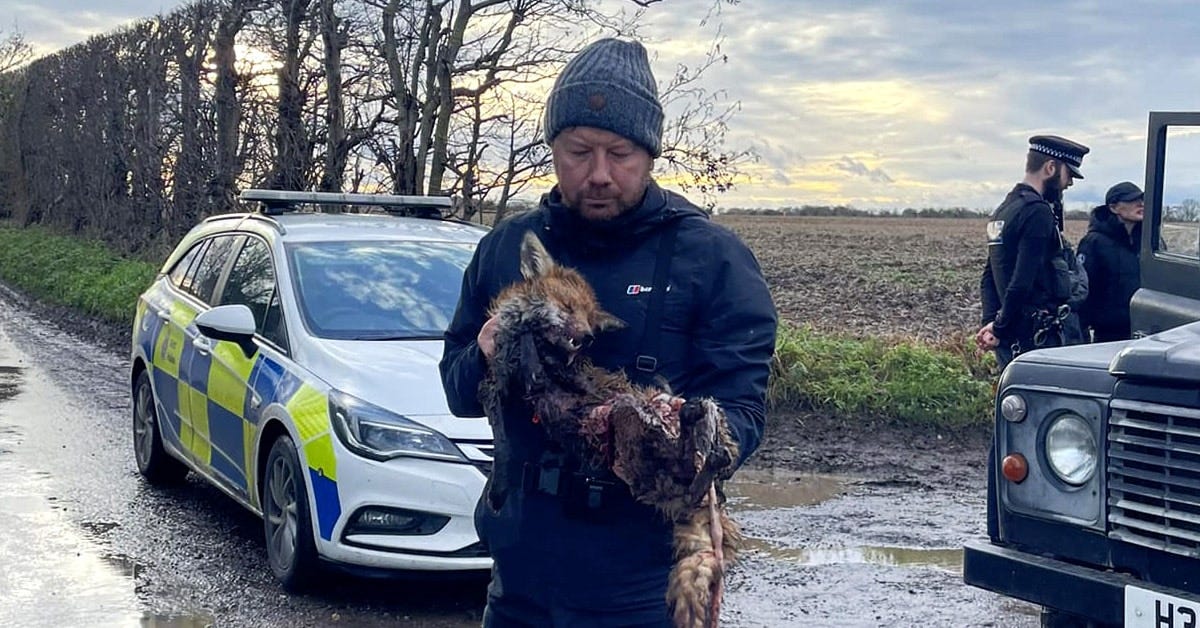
[(233, 323)]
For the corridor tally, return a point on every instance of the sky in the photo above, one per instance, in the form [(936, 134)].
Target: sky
[(887, 103)]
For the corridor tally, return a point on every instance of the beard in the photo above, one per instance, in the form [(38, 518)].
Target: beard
[(1052, 189), (601, 205)]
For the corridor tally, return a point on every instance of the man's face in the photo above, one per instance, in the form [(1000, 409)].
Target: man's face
[(1057, 182), (1129, 211), (601, 175)]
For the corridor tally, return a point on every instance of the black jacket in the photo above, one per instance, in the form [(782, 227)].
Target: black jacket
[(1110, 255), (1023, 238), (717, 338)]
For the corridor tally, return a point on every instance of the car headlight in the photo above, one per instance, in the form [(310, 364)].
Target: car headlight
[(373, 432), (1071, 449)]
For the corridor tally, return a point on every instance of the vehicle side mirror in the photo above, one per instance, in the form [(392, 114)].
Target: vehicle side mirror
[(233, 323)]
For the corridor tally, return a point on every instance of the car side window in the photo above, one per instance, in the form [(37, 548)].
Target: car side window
[(274, 329), (251, 282), (210, 267), (179, 271), (187, 279)]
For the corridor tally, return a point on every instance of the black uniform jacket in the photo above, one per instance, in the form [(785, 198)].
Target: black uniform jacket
[(717, 338), (1110, 255), (1022, 240)]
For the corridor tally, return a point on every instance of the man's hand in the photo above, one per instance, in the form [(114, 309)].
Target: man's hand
[(487, 337), (985, 339)]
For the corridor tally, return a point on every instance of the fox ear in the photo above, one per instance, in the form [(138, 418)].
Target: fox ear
[(607, 322), (535, 261)]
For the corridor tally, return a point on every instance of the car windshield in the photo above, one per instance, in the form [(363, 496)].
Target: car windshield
[(378, 290)]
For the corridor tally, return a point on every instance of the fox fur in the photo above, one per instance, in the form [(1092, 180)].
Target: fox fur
[(674, 454)]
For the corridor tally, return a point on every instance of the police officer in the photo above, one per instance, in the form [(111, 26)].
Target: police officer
[(1025, 284)]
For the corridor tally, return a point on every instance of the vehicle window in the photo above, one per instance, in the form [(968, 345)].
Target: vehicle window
[(178, 273), (188, 283), (378, 290), (251, 282), (1179, 230), (274, 328), (210, 266)]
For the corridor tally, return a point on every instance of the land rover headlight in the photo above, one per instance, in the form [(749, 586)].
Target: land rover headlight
[(1071, 449), (373, 432)]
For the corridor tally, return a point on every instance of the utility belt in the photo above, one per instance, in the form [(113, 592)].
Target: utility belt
[(1048, 327), (582, 495)]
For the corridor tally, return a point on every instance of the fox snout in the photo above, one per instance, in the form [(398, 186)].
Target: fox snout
[(579, 343)]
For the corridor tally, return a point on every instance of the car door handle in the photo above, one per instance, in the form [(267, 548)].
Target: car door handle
[(203, 346)]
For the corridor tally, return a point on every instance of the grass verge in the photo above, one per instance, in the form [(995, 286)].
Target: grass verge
[(79, 274), (901, 379)]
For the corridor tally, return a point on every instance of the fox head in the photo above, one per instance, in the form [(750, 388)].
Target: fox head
[(547, 319)]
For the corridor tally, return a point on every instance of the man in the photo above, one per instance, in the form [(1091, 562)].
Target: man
[(1026, 282), (1110, 251), (698, 317)]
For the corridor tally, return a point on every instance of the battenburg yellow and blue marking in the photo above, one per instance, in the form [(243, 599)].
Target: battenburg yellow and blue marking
[(211, 404)]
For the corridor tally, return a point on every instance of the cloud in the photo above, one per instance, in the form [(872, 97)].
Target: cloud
[(858, 168), (51, 25), (947, 93)]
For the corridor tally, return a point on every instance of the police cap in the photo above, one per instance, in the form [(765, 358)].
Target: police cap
[(1062, 149)]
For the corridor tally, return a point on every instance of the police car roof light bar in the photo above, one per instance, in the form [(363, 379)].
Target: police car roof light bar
[(283, 201)]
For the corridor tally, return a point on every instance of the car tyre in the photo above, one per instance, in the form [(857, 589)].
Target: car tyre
[(287, 521), (153, 461)]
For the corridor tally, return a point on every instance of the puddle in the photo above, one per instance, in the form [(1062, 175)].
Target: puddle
[(764, 490), (755, 489), (10, 381), (948, 559), (56, 571)]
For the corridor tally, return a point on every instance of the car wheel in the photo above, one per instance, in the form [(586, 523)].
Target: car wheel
[(153, 461), (287, 522)]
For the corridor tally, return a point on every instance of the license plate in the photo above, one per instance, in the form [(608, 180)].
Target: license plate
[(1151, 609)]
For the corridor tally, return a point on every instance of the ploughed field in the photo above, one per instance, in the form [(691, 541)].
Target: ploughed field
[(914, 277)]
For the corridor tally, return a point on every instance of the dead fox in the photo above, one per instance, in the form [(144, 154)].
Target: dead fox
[(673, 454)]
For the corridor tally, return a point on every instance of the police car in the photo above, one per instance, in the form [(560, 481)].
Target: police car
[(290, 358)]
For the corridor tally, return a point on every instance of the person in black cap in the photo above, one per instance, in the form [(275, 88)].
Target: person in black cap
[(698, 316), (1111, 249), (1027, 281)]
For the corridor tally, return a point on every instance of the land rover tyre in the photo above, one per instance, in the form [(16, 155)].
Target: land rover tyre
[(287, 521), (153, 461), (1057, 619)]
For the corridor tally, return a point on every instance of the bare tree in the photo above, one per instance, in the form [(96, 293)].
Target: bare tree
[(293, 151), (192, 169), (14, 50), (227, 109), (694, 133), (415, 96)]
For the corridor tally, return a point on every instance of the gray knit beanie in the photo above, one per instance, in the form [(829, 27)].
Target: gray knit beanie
[(609, 86)]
